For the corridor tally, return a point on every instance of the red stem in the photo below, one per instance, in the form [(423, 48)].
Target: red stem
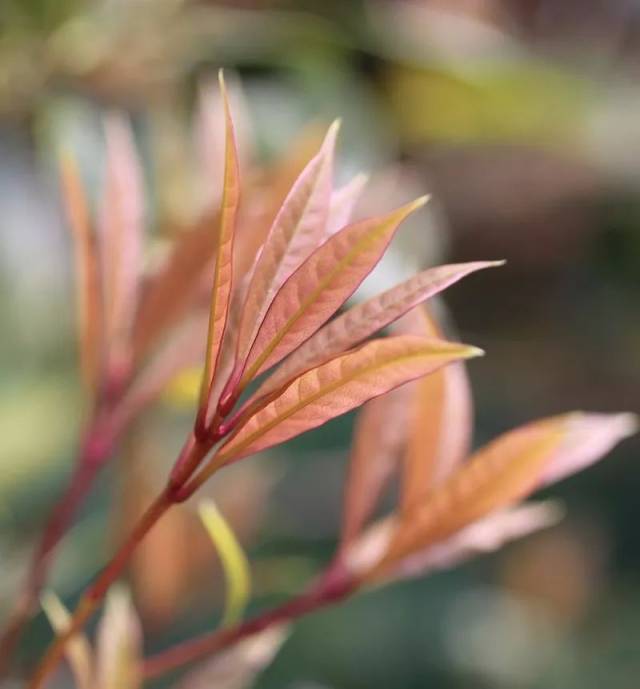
[(95, 593), (330, 590), (192, 454)]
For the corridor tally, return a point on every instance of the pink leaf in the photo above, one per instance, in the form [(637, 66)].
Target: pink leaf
[(365, 319), (320, 286), (484, 536), (588, 438), (122, 227), (183, 349), (339, 386), (297, 230), (507, 470), (379, 436)]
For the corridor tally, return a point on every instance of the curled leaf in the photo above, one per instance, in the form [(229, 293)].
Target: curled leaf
[(234, 561)]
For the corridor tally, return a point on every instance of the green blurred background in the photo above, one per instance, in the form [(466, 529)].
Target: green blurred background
[(522, 118)]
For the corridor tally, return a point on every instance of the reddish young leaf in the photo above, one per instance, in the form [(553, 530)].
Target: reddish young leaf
[(367, 318), (507, 470), (479, 538), (273, 185), (378, 438), (440, 430), (320, 286), (296, 231), (210, 136), (88, 278), (484, 536), (184, 348), (222, 275), (122, 228), (339, 386), (174, 288)]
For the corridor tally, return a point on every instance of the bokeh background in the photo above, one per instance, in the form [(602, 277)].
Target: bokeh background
[(522, 119)]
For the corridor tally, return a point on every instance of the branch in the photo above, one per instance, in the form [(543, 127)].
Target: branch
[(331, 589)]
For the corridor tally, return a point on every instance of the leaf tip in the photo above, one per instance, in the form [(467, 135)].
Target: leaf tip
[(418, 203), (473, 352)]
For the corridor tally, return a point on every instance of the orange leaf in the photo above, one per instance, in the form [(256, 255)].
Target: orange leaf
[(366, 318), (184, 348), (88, 278), (378, 438), (222, 275), (439, 435), (481, 537), (339, 386), (296, 231), (507, 470), (176, 285), (320, 286)]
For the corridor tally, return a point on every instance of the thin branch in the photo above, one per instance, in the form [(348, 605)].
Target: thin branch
[(330, 589)]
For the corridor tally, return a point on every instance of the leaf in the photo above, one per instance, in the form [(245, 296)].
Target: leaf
[(238, 667), (480, 538), (378, 438), (184, 349), (222, 275), (507, 470), (78, 651), (210, 127), (297, 230), (176, 285), (367, 318), (439, 435), (274, 184), (119, 643), (320, 286), (339, 386), (343, 201), (588, 438), (90, 314), (122, 228), (234, 561)]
